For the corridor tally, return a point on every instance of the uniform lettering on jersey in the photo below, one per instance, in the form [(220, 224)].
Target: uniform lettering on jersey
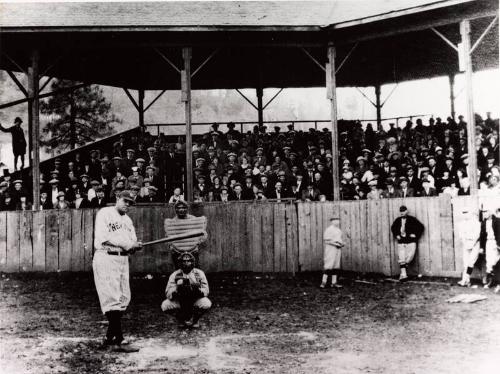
[(115, 226)]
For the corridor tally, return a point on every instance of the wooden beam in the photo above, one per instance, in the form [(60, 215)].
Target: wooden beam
[(272, 98), (168, 60), (366, 97), (260, 108), (140, 108), (48, 94), (13, 62), (46, 83), (378, 106), (331, 92), (445, 39), (186, 98), (341, 33), (247, 99), (155, 99), (451, 79), (313, 59), (485, 32), (471, 128), (346, 57), (390, 94), (33, 91), (16, 81), (129, 95), (204, 62)]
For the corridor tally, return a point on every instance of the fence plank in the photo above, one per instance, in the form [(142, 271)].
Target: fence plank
[(13, 244), (303, 224), (208, 258), (77, 249), (384, 233), (423, 257), (278, 244), (315, 226), (38, 237), (88, 218), (51, 241), (291, 238), (267, 240), (345, 227), (376, 261), (365, 250), (26, 245), (3, 241), (393, 214), (434, 235), (64, 240), (446, 229), (239, 237)]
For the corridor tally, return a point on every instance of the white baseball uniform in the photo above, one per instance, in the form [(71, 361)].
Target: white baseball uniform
[(331, 256), (113, 233)]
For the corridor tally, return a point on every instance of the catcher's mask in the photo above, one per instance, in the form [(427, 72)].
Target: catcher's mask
[(186, 262), (181, 209)]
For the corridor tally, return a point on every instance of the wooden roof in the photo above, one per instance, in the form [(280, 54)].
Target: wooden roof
[(117, 44), (203, 15)]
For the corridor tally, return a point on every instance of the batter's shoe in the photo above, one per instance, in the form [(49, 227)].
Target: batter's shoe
[(336, 285), (464, 283), (106, 343), (490, 281), (125, 348), (322, 285), (403, 278), (195, 325)]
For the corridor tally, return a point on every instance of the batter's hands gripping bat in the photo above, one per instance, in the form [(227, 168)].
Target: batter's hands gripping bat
[(172, 238)]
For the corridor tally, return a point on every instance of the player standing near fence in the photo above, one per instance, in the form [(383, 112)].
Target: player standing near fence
[(407, 230), (469, 230), (332, 239), (114, 240)]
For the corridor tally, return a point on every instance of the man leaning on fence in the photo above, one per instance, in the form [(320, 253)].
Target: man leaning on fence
[(407, 230)]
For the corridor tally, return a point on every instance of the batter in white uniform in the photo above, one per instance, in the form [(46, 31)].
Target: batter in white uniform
[(114, 240)]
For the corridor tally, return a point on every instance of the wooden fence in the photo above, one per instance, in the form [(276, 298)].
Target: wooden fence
[(257, 237)]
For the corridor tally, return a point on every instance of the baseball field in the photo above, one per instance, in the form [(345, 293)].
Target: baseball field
[(258, 324)]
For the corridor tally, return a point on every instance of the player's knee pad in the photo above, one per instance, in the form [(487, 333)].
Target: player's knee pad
[(203, 303)]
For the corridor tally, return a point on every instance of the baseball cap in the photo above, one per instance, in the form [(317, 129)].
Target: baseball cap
[(125, 195)]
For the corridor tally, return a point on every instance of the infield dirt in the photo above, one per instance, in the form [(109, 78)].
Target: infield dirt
[(259, 324)]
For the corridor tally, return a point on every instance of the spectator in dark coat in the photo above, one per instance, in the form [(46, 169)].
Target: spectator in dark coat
[(407, 230), (18, 141)]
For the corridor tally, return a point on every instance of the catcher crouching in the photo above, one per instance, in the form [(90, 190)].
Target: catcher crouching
[(187, 292)]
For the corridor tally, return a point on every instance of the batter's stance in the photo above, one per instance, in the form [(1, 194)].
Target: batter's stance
[(115, 239)]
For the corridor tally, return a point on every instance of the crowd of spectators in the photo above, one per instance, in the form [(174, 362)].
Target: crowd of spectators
[(416, 160)]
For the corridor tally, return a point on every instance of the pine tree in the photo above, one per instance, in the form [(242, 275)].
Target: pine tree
[(76, 118)]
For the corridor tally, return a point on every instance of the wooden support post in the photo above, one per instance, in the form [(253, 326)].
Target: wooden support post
[(186, 98), (331, 93), (140, 104), (471, 128), (378, 106), (451, 79), (260, 106), (34, 117)]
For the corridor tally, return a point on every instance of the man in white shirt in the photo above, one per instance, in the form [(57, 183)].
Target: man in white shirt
[(332, 239), (469, 230), (114, 240)]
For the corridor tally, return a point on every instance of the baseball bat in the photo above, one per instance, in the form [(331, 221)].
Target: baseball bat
[(171, 238)]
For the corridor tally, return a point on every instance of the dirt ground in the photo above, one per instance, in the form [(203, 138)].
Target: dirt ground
[(259, 324)]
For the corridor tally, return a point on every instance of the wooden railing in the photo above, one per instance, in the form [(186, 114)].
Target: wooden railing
[(257, 237)]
